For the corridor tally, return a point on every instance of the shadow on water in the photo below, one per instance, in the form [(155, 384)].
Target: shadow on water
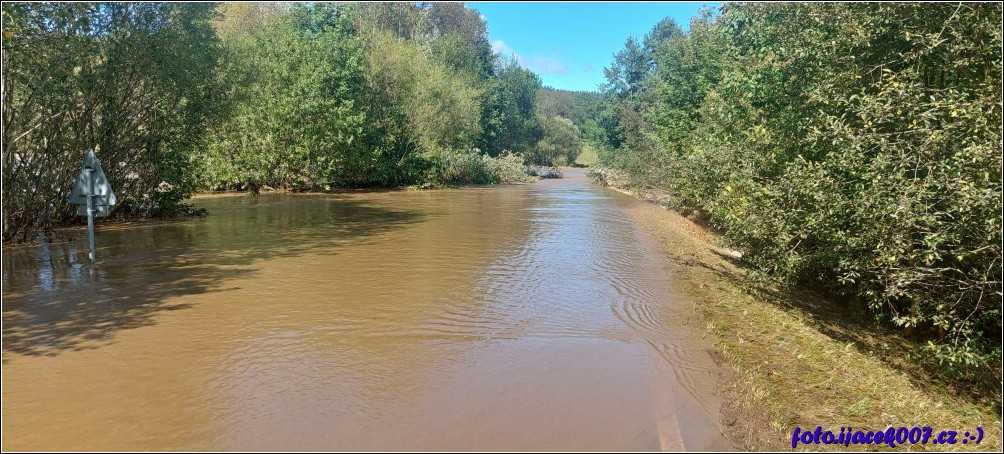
[(53, 302)]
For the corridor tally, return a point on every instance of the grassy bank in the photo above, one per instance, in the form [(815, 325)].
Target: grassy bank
[(796, 360), (587, 157)]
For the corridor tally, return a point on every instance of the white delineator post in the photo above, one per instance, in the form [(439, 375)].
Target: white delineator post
[(90, 212)]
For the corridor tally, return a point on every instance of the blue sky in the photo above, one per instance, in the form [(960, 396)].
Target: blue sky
[(569, 43)]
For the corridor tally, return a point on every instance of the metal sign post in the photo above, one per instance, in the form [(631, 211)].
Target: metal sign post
[(90, 212), (93, 196)]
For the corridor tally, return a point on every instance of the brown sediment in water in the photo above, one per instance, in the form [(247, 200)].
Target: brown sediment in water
[(520, 317)]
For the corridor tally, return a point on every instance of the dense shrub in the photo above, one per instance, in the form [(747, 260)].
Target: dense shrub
[(131, 80), (560, 144), (452, 168), (854, 148)]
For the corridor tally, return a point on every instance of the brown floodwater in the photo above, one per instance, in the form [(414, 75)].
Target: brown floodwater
[(522, 317)]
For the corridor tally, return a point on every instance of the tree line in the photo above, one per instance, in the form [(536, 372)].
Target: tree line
[(182, 97), (853, 148)]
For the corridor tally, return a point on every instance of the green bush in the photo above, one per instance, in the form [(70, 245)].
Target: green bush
[(560, 145), (451, 167), (132, 80), (854, 148)]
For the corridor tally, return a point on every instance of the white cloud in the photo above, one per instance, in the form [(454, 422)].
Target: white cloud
[(549, 64), (545, 64), (500, 47)]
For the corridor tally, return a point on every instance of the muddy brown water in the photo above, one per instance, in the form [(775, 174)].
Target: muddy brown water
[(523, 317)]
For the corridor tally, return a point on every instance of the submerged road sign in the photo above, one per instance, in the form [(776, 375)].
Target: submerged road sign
[(92, 194), (92, 182)]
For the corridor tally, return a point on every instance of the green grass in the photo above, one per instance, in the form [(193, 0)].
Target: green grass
[(587, 157)]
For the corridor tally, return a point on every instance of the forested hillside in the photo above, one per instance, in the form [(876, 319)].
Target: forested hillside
[(180, 97), (854, 148)]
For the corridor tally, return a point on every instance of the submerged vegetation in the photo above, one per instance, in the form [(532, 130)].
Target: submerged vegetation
[(181, 97), (852, 148)]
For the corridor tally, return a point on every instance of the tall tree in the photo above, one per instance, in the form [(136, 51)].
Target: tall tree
[(511, 122), (629, 69)]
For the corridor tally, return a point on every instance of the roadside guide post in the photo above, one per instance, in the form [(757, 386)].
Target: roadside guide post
[(89, 195), (93, 196)]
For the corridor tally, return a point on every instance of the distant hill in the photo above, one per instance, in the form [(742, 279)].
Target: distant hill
[(577, 106)]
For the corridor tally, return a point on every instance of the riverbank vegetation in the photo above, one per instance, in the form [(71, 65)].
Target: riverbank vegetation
[(794, 359), (850, 148), (182, 97)]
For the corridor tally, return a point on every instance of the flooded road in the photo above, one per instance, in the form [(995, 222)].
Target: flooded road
[(524, 317)]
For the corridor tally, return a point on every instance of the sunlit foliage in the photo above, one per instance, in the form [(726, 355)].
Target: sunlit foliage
[(851, 147)]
